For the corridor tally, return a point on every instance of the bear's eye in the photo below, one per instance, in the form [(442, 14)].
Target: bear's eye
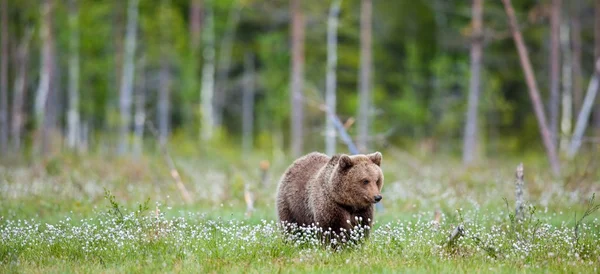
[(365, 182)]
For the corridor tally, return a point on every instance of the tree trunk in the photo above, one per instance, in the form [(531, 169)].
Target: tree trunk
[(73, 112), (586, 109), (533, 89), (364, 80), (195, 23), (128, 76), (140, 108), (190, 77), (164, 100), (119, 45), (297, 78), (20, 90), (471, 139), (567, 96), (224, 62), (164, 79), (4, 128), (248, 104), (576, 61), (330, 94), (46, 73), (208, 74), (553, 104), (596, 57)]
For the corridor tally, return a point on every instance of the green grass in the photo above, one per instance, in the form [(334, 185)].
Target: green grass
[(57, 217)]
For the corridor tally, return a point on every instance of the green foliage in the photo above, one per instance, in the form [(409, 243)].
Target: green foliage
[(420, 68)]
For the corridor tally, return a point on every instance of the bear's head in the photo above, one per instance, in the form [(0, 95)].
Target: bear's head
[(356, 181)]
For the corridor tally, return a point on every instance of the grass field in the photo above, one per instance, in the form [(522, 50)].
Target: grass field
[(98, 214)]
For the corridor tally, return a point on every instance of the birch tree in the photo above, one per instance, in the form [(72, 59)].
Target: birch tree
[(127, 79), (297, 78), (208, 74), (164, 79), (567, 80), (576, 60), (330, 89), (364, 74), (4, 129), (73, 90), (46, 71), (471, 138), (140, 108), (20, 90), (553, 105), (224, 61), (596, 57), (584, 114), (248, 104)]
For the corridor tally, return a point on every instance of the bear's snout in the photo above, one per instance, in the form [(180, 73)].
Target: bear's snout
[(377, 198)]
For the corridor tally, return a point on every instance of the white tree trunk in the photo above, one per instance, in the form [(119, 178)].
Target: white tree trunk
[(208, 74), (164, 100), (330, 91), (248, 104), (128, 76), (20, 90), (363, 120), (4, 128), (297, 78), (224, 62), (567, 94), (140, 109), (554, 102), (45, 65), (73, 112), (471, 139), (46, 73), (584, 114)]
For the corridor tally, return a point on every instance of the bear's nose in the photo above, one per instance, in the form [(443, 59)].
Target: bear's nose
[(378, 198)]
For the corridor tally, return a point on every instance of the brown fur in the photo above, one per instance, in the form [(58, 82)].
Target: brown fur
[(329, 191)]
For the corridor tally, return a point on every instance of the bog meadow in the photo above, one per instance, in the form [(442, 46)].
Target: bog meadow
[(149, 136)]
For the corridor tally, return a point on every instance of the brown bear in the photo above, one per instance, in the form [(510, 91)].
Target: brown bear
[(334, 193)]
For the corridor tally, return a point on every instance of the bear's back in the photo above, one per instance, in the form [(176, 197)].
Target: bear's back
[(292, 196)]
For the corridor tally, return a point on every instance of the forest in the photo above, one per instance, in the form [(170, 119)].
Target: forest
[(160, 129)]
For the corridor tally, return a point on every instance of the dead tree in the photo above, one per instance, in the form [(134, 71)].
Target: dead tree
[(533, 89)]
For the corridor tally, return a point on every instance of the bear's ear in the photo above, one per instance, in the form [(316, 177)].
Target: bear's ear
[(375, 158), (345, 161)]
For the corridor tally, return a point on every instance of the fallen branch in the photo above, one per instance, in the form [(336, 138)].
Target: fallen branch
[(341, 129), (173, 170), (458, 232)]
